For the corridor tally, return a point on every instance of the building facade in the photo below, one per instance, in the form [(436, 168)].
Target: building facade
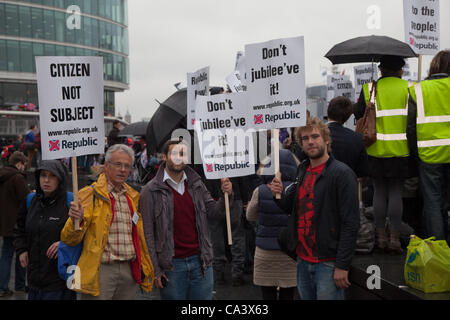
[(61, 28)]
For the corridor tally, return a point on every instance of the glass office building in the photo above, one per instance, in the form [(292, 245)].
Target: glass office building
[(61, 28)]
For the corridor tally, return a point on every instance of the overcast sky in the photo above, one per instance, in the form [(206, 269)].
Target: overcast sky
[(170, 38)]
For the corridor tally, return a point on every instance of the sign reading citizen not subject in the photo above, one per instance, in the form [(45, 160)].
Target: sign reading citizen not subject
[(70, 91), (275, 82)]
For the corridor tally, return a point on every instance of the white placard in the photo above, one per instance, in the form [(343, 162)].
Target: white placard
[(197, 84), (70, 91), (421, 19), (276, 83), (331, 84), (364, 74), (240, 67), (409, 74), (226, 143), (239, 60), (344, 88), (234, 82)]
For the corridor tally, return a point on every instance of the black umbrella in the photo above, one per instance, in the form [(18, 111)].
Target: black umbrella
[(170, 115), (135, 129), (368, 49)]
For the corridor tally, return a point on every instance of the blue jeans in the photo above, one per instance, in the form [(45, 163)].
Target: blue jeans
[(64, 294), (435, 185), (5, 266), (315, 281), (187, 281)]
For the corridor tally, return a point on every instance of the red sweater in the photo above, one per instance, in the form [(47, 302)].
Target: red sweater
[(185, 235), (306, 224)]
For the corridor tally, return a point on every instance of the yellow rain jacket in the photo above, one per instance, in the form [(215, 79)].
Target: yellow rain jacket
[(94, 233)]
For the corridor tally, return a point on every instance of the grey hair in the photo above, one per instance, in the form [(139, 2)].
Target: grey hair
[(119, 148)]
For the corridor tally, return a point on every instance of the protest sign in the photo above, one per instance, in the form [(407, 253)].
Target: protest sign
[(331, 84), (345, 88), (421, 19), (408, 74), (240, 67), (364, 74), (70, 91), (276, 83), (226, 146), (239, 60), (197, 84), (234, 82)]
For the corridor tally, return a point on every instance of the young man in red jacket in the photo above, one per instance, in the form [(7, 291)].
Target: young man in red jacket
[(324, 218)]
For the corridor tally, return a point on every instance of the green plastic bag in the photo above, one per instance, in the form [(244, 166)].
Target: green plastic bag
[(427, 266)]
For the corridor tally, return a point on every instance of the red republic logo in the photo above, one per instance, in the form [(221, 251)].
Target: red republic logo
[(411, 41), (53, 145), (193, 121), (209, 167), (258, 119)]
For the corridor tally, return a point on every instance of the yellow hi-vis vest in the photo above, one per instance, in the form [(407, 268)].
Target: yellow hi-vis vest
[(391, 109), (433, 120)]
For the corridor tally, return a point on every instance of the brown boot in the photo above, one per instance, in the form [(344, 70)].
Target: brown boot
[(381, 240), (394, 245)]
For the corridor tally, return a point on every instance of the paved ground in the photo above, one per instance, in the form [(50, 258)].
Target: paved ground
[(223, 292)]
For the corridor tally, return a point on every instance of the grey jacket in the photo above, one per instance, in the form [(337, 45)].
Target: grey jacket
[(156, 208)]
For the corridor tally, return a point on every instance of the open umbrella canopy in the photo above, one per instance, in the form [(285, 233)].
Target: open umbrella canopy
[(135, 129), (170, 115), (368, 49)]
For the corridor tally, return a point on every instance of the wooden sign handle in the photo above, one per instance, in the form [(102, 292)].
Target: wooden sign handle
[(227, 214), (75, 189), (276, 154), (419, 71)]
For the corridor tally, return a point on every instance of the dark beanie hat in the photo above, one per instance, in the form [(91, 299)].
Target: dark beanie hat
[(392, 62)]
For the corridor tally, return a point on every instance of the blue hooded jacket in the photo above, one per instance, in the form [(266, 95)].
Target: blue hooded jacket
[(271, 219)]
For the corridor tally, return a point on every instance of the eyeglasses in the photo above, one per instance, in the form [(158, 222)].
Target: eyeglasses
[(312, 137), (119, 165)]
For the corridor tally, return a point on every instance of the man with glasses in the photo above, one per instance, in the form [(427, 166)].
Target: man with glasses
[(324, 222), (115, 258)]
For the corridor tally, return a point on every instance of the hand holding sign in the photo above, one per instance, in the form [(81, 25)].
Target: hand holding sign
[(226, 186), (276, 186), (76, 211), (227, 189)]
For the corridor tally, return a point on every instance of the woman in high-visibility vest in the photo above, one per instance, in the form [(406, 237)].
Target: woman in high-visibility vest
[(389, 159), (429, 139)]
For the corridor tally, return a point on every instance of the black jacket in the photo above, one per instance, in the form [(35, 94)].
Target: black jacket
[(336, 213), (348, 147), (113, 137), (39, 226), (13, 191)]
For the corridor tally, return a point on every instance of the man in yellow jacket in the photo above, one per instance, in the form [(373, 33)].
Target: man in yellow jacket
[(115, 258)]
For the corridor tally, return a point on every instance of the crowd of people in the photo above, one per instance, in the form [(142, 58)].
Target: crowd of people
[(172, 235)]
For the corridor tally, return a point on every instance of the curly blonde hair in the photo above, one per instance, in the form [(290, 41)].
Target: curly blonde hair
[(314, 122)]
